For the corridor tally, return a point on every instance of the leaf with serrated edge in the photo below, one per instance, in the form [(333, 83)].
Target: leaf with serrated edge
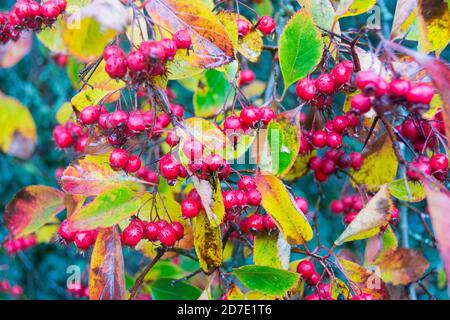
[(410, 191), (370, 220), (379, 245)]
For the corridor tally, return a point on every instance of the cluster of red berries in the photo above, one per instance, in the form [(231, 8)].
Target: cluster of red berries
[(378, 93), (334, 159), (348, 205), (171, 169), (257, 223), (13, 246), (15, 291), (436, 166), (69, 135), (235, 201), (83, 239), (250, 118), (308, 272), (192, 205), (78, 290), (29, 15), (321, 292), (167, 233), (148, 60), (265, 24)]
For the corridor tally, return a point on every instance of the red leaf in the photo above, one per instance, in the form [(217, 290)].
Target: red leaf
[(31, 208), (107, 278)]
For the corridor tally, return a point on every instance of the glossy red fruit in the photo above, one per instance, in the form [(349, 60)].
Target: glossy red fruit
[(253, 197), (116, 67), (151, 231), (410, 130), (134, 164), (342, 73), (35, 8), (200, 168), (302, 204), (225, 172), (267, 115), (367, 81), (325, 84), (230, 199), (250, 116), (84, 239), (349, 217), (395, 215), (306, 89), (357, 160), (340, 123), (81, 143), (136, 61), (65, 232), (154, 51), (182, 39), (170, 48), (266, 25), (177, 110), (347, 201), (243, 27), (232, 124), (193, 149), (399, 88), (118, 158), (113, 51), (169, 168), (361, 103), (305, 268), (337, 206), (344, 161), (246, 183), (269, 223), (118, 118), (132, 234), (215, 163), (136, 122), (179, 229), (190, 208), (172, 139), (63, 137), (162, 223), (439, 162), (167, 236), (255, 223), (319, 139), (334, 140), (420, 93), (328, 167), (89, 115), (246, 77), (353, 119), (315, 163), (163, 119), (22, 10), (62, 4), (50, 10), (313, 279)]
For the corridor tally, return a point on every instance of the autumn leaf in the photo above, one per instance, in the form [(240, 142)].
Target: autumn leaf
[(402, 266), (211, 45), (13, 51), (280, 205), (18, 131), (404, 18), (212, 201), (370, 220), (379, 245), (234, 293), (348, 8), (271, 250), (91, 175), (322, 12), (106, 276), (375, 173), (434, 25), (208, 243), (89, 97), (31, 208), (405, 190), (300, 167)]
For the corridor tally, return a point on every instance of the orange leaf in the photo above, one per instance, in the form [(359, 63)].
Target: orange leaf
[(106, 278)]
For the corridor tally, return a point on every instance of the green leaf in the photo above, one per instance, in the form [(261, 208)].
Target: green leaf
[(271, 281), (410, 191), (168, 289), (211, 93), (264, 7), (108, 209), (300, 48), (271, 250)]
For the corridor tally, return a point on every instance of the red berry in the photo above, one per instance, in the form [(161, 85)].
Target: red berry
[(162, 223), (253, 197), (177, 110), (65, 232), (319, 139), (170, 48), (22, 10), (367, 81), (305, 268), (267, 115), (134, 164), (90, 115), (151, 231), (306, 89), (113, 51), (163, 119), (320, 176), (361, 103), (190, 208), (250, 116), (84, 239), (255, 223), (193, 149), (246, 183), (230, 199), (225, 172), (167, 236), (353, 119), (62, 4), (269, 223), (200, 168), (81, 143), (340, 123), (334, 140), (342, 73), (215, 162), (325, 84), (302, 204), (169, 168), (313, 279), (266, 25), (118, 118), (399, 88), (328, 167), (315, 163), (50, 10), (232, 124), (136, 61), (153, 50), (421, 93), (136, 122), (116, 67), (132, 234), (439, 162), (182, 39), (172, 139), (357, 160), (410, 130), (349, 217), (395, 215), (337, 206), (118, 158), (246, 77), (179, 229), (62, 136), (422, 166)]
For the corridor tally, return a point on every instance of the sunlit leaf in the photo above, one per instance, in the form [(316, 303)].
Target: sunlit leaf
[(348, 8), (434, 25), (300, 48), (370, 220), (405, 190), (31, 208), (265, 250), (170, 289), (300, 166), (254, 89), (267, 280), (106, 276), (277, 201), (18, 131), (89, 97), (208, 243), (339, 288)]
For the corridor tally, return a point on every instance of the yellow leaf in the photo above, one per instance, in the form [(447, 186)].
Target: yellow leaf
[(434, 26), (370, 220), (208, 243), (18, 131), (211, 196), (234, 293), (277, 201), (89, 97), (265, 250), (348, 8), (64, 113)]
